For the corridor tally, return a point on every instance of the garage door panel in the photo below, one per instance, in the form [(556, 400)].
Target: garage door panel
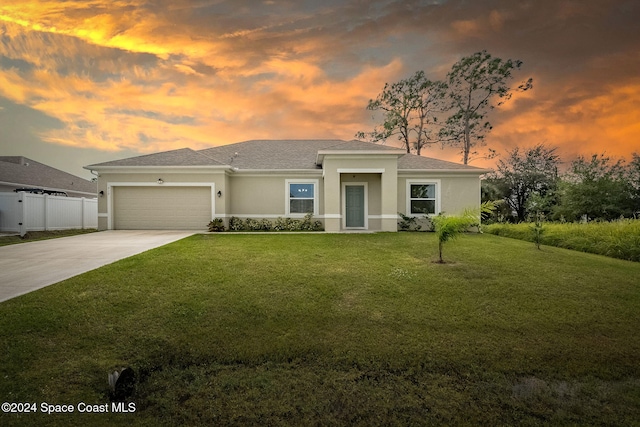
[(162, 208)]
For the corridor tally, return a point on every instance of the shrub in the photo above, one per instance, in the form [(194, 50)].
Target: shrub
[(291, 224), (408, 222), (236, 224), (307, 224), (216, 225), (281, 224), (265, 224), (252, 224)]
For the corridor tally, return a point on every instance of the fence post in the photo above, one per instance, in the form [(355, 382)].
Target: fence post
[(22, 216), (46, 210), (82, 214)]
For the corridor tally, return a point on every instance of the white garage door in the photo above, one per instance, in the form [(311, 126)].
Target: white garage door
[(161, 208)]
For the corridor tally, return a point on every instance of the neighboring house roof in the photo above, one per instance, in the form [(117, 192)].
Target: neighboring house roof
[(280, 155), (21, 172)]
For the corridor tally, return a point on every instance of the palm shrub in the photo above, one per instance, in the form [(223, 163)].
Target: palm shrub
[(217, 224), (447, 227)]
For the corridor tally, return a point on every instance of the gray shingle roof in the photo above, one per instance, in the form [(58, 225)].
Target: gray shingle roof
[(31, 174), (270, 154), (277, 155), (355, 145), (180, 157), (412, 161)]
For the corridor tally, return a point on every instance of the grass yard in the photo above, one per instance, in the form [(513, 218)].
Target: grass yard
[(618, 239), (334, 330), (32, 236)]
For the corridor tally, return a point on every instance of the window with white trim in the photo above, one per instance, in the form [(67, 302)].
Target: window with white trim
[(422, 198), (301, 197)]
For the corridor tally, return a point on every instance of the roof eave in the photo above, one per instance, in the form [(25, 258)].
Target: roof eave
[(277, 171), (475, 171), (147, 168)]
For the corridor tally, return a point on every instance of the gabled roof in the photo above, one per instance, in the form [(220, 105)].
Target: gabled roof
[(281, 155), (180, 157), (19, 171)]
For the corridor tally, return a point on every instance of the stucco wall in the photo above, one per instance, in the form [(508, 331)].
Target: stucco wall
[(380, 173), (266, 196), (456, 192), (169, 177), (373, 182)]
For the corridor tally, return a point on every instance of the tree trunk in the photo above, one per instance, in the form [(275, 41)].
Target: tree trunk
[(467, 142), (440, 251)]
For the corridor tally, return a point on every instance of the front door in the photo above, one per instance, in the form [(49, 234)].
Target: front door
[(354, 206)]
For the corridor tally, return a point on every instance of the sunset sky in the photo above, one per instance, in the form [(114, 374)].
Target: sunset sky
[(88, 81)]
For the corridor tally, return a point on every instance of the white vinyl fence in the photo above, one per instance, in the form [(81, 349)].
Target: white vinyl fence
[(22, 212)]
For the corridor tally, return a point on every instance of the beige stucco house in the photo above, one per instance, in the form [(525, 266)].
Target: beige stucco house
[(348, 185)]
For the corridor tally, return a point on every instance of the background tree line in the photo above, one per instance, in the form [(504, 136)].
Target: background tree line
[(529, 183)]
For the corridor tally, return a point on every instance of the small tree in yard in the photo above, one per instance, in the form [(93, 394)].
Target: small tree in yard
[(448, 227), (537, 205)]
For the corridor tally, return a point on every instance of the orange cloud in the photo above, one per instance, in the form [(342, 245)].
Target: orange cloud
[(170, 104), (607, 122)]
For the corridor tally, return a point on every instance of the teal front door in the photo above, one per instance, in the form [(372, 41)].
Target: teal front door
[(354, 206)]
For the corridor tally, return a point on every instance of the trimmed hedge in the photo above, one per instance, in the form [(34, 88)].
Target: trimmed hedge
[(280, 224)]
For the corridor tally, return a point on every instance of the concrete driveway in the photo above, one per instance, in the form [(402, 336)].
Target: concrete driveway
[(25, 267)]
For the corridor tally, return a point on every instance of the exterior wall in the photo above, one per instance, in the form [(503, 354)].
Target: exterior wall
[(455, 192), (374, 197), (170, 178), (380, 173), (266, 196), (374, 187)]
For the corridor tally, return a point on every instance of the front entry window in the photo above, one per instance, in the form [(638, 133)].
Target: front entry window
[(423, 199), (301, 198)]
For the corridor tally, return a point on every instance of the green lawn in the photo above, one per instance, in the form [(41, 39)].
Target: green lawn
[(335, 330), (32, 236)]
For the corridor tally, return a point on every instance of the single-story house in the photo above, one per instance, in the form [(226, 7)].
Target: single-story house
[(348, 185), (23, 174)]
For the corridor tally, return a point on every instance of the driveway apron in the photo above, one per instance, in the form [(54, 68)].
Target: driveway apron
[(25, 267)]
